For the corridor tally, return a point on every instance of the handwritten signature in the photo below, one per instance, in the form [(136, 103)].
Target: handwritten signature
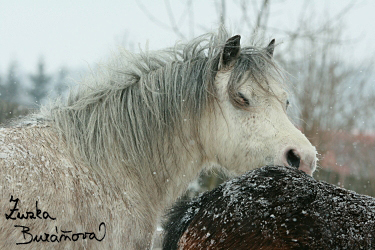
[(28, 237), (64, 235), (29, 214)]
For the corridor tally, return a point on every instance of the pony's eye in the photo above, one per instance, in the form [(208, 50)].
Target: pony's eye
[(287, 104), (242, 100)]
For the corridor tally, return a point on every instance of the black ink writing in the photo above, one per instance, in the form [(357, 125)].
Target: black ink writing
[(65, 235), (29, 214)]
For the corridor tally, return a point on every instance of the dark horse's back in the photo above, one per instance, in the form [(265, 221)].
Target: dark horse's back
[(273, 208)]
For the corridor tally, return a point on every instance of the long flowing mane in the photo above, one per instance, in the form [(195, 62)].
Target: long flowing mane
[(137, 104)]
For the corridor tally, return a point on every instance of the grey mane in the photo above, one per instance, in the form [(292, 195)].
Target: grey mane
[(138, 103)]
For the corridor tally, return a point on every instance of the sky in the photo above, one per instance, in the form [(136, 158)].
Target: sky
[(80, 33)]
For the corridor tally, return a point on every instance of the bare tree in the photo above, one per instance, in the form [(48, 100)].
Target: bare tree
[(11, 88), (173, 25), (40, 81), (326, 87)]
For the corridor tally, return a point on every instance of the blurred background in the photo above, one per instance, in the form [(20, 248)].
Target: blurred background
[(326, 46)]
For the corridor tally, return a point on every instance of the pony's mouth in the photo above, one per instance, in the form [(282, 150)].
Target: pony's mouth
[(293, 159)]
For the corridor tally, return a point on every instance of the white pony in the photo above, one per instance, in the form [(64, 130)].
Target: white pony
[(98, 171)]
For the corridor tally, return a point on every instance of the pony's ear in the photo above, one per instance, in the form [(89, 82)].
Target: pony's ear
[(230, 52), (270, 48)]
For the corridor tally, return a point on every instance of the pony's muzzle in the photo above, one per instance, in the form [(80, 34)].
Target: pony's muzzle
[(302, 161)]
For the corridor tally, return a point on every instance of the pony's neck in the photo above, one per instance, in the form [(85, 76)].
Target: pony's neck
[(161, 183), (179, 182)]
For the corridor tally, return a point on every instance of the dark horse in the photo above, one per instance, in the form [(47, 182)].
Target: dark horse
[(273, 208)]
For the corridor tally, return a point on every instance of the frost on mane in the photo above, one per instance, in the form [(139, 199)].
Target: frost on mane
[(273, 207)]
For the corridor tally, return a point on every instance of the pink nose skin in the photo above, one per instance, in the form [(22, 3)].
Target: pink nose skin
[(292, 157)]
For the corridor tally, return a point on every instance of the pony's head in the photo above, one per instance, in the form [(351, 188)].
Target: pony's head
[(209, 98), (250, 125)]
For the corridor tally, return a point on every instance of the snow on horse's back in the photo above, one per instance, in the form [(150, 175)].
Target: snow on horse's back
[(128, 142), (273, 207)]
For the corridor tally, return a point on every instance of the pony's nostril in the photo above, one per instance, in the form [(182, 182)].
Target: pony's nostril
[(293, 158)]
